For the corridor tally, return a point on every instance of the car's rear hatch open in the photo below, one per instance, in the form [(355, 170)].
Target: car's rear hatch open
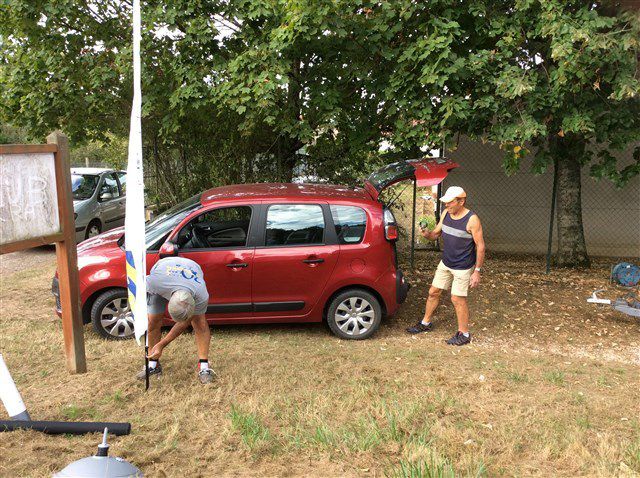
[(426, 172)]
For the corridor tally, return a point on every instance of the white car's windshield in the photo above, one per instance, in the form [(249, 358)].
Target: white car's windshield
[(83, 185)]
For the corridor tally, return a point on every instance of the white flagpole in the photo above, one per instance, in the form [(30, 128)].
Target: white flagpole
[(135, 246)]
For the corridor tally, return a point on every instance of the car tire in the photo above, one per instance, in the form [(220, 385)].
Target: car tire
[(354, 314), (110, 315), (93, 229)]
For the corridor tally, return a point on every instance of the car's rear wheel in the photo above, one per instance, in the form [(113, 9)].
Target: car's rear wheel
[(354, 314), (111, 316), (93, 229)]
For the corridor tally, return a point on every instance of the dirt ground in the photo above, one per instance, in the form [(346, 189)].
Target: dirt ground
[(549, 387)]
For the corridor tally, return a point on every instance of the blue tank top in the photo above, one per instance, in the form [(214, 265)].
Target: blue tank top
[(458, 246)]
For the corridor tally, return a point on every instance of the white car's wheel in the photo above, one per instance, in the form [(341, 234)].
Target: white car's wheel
[(93, 229)]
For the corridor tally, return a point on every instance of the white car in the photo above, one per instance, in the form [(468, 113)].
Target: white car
[(98, 200)]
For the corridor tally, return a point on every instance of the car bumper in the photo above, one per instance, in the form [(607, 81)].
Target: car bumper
[(80, 233), (402, 287)]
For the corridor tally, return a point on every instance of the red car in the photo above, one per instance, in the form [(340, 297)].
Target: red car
[(269, 253)]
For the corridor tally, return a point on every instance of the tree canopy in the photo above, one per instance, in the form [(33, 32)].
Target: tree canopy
[(248, 90)]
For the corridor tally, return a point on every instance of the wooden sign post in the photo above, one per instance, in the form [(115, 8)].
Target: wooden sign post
[(36, 208)]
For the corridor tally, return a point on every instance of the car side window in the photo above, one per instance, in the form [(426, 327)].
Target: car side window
[(218, 228), (122, 177), (350, 223), (294, 225), (109, 189)]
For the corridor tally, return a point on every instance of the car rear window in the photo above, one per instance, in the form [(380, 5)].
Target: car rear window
[(350, 223), (294, 225)]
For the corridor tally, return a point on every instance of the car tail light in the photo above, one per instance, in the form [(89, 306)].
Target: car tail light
[(391, 233), (390, 226)]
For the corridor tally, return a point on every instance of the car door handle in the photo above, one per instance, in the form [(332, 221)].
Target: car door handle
[(313, 261), (234, 265)]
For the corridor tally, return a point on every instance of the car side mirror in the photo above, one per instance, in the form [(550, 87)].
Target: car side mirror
[(105, 196), (168, 249)]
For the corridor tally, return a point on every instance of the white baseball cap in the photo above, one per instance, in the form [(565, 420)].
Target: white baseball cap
[(452, 193)]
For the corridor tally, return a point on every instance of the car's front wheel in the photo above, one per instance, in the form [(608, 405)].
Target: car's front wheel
[(93, 229), (354, 314), (111, 316)]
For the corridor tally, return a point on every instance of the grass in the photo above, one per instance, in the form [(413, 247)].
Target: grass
[(555, 377), (433, 467), (251, 429), (632, 456), (517, 377), (77, 413), (292, 400)]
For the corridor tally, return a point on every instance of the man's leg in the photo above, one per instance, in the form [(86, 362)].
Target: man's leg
[(154, 329), (203, 335), (154, 332), (203, 341), (425, 324), (156, 306), (432, 304), (441, 281), (459, 290), (462, 312)]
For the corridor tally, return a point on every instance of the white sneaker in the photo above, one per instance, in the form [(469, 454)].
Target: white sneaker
[(157, 370), (206, 376)]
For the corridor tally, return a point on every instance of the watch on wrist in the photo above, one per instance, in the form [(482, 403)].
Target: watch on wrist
[(478, 269)]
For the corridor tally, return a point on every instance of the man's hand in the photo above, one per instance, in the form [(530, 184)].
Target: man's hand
[(475, 279), (156, 351)]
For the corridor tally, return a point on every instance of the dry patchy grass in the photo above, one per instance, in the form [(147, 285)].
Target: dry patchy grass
[(295, 401)]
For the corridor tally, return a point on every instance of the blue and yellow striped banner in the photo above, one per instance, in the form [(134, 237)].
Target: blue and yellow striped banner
[(132, 277)]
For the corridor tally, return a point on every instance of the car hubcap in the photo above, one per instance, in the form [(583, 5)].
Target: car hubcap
[(116, 318), (93, 231), (354, 316)]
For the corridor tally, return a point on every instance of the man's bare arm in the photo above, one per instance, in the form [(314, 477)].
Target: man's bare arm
[(175, 332), (475, 227)]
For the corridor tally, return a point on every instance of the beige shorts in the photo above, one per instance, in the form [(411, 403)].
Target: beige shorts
[(456, 279)]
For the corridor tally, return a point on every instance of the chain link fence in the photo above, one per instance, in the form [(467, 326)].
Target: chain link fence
[(516, 210)]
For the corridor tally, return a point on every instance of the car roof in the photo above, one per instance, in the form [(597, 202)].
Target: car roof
[(93, 170), (286, 191)]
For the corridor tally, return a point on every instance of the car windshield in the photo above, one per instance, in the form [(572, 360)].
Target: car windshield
[(83, 185), (157, 230)]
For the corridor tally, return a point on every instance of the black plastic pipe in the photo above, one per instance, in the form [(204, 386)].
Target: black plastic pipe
[(60, 428)]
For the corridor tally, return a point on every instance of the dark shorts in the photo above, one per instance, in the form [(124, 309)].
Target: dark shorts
[(156, 304)]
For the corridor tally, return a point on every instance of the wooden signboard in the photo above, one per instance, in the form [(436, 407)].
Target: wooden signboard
[(36, 208)]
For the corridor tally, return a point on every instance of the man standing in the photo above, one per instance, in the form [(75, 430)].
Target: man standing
[(461, 264), (177, 284)]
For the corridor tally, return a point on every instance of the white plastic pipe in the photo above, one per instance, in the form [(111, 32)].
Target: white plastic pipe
[(10, 396)]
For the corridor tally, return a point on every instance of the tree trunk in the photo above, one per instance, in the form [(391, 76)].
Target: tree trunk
[(288, 145), (289, 159), (572, 249)]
